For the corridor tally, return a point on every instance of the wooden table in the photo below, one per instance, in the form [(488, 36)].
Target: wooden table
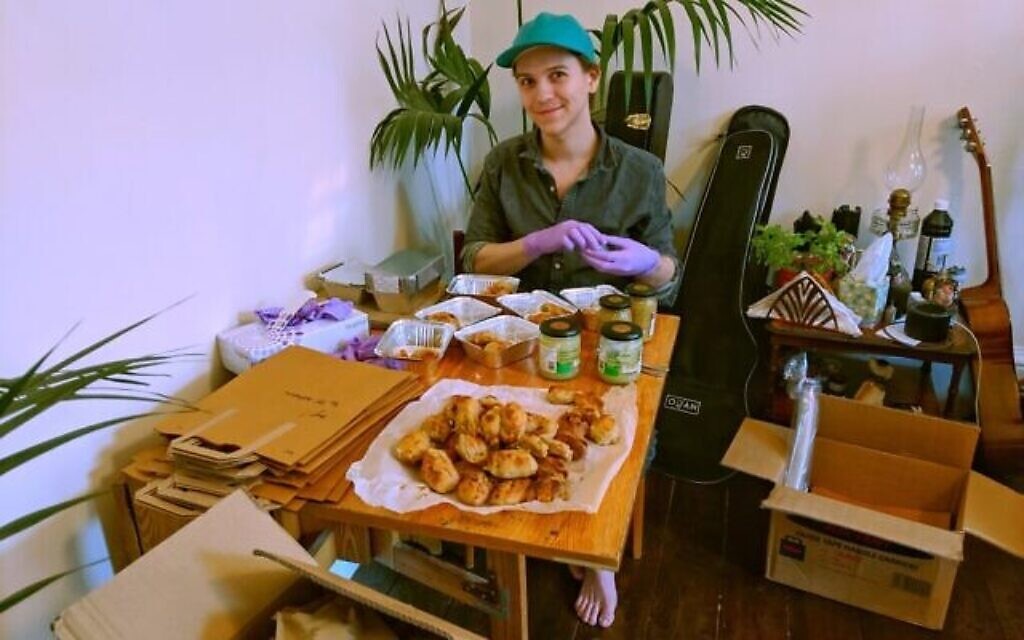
[(594, 540), (957, 351)]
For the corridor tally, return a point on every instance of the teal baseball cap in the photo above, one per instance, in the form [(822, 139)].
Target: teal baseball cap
[(549, 29)]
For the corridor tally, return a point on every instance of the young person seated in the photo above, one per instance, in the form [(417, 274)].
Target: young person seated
[(566, 205)]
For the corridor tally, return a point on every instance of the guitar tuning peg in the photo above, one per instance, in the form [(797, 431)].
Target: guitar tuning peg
[(963, 135), (963, 122), (971, 146)]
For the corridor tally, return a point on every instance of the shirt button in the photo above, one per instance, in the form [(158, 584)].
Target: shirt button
[(551, 188), (557, 265)]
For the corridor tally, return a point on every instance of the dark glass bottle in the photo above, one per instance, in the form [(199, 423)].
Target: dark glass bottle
[(935, 247)]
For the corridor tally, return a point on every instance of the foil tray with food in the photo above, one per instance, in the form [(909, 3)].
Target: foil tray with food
[(458, 312), (537, 305), (499, 341), (482, 286), (586, 299), (487, 449), (415, 340)]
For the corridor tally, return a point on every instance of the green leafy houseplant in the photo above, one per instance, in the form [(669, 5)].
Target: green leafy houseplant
[(828, 250), (776, 247), (43, 387), (456, 89)]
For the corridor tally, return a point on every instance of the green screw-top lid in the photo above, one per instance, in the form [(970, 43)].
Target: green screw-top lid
[(614, 301), (640, 290), (621, 330), (560, 328)]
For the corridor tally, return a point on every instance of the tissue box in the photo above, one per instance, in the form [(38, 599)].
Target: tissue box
[(244, 346), (865, 299)]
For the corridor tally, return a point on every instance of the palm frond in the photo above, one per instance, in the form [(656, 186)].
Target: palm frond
[(711, 26), (25, 592), (31, 519)]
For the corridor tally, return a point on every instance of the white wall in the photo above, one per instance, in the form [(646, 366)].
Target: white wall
[(846, 85), (150, 151)]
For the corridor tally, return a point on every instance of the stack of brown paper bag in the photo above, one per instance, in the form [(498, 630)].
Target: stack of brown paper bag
[(285, 430)]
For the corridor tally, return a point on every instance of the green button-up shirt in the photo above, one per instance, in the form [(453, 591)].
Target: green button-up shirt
[(623, 194)]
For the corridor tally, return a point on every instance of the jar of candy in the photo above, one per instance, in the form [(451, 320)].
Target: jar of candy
[(558, 354), (643, 304), (614, 308), (620, 352)]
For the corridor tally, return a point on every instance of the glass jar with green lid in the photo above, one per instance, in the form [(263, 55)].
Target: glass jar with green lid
[(614, 308), (644, 306), (620, 352), (558, 355)]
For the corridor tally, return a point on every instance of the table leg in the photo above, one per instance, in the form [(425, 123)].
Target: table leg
[(954, 389), (637, 533), (509, 571)]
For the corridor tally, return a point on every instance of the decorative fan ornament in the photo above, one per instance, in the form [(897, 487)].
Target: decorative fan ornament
[(807, 302)]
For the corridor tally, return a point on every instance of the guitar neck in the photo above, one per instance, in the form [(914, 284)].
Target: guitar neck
[(991, 287)]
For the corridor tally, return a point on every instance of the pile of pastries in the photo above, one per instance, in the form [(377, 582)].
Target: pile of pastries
[(546, 311), (499, 288), (444, 317), (490, 452)]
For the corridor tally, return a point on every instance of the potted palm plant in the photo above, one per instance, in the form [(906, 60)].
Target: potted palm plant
[(42, 387)]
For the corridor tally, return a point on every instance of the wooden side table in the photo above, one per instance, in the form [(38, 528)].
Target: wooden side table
[(958, 350)]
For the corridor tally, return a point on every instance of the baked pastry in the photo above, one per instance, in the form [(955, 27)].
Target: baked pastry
[(577, 445), (444, 317), (512, 492), (513, 423), (412, 446), (604, 430), (535, 445), (490, 426), (438, 471), (553, 466), (489, 402), (467, 415), (558, 394), (474, 487), (541, 426), (588, 400), (471, 448), (438, 427), (549, 488), (511, 463), (559, 449), (573, 423)]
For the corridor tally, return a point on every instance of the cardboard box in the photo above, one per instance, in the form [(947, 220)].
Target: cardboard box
[(892, 496), (206, 581)]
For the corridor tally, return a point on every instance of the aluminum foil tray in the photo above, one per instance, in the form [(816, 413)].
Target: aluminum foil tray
[(415, 340), (482, 286), (537, 306), (459, 312), (517, 337)]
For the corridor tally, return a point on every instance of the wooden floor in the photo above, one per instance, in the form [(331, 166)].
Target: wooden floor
[(702, 577)]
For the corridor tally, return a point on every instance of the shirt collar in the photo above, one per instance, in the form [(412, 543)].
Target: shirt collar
[(605, 158)]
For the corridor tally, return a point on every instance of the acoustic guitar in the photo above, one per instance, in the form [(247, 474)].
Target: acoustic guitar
[(1002, 428)]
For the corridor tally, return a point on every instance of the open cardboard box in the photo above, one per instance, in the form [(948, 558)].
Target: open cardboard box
[(223, 576), (892, 496)]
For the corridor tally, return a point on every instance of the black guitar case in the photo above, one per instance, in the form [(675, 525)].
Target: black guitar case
[(709, 389)]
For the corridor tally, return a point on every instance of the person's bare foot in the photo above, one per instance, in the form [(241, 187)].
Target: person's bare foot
[(598, 598)]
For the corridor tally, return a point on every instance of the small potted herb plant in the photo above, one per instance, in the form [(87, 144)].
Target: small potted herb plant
[(777, 248)]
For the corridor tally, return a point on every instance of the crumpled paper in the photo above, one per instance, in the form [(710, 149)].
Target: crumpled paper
[(805, 301), (382, 481)]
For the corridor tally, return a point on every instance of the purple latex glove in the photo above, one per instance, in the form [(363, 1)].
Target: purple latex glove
[(622, 257), (570, 235)]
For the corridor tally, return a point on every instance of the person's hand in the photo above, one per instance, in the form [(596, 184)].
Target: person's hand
[(622, 257), (570, 235)]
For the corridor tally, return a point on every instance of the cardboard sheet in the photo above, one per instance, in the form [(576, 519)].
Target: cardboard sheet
[(203, 582), (381, 480), (300, 397)]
